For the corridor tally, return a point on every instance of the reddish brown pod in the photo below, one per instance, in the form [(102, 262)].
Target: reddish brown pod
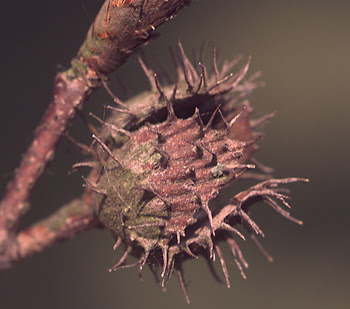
[(167, 154)]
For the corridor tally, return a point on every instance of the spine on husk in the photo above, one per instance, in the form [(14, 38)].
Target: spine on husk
[(166, 154)]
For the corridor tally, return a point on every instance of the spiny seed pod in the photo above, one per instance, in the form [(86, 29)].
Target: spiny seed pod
[(166, 154)]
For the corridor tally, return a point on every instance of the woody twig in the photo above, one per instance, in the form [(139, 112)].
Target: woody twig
[(118, 30)]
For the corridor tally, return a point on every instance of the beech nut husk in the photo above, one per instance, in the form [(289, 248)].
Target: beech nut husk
[(166, 154)]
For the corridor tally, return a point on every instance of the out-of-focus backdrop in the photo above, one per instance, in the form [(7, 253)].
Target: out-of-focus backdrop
[(302, 48)]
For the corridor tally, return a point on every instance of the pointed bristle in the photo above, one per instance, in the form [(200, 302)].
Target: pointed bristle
[(156, 82), (220, 82), (215, 67), (192, 174), (119, 110), (188, 69), (237, 256), (165, 248), (121, 261), (149, 74), (261, 121), (229, 228), (281, 211), (171, 112), (117, 243), (224, 120), (237, 251), (234, 120), (165, 157), (115, 99), (170, 109), (242, 73), (170, 268), (150, 188), (242, 145), (199, 148), (173, 95), (199, 151), (111, 126), (206, 208), (188, 250), (83, 149), (223, 265), (213, 161), (262, 167), (180, 275), (199, 84), (204, 76), (236, 77), (197, 117), (210, 122), (210, 244), (228, 65), (90, 164), (261, 248), (90, 186), (176, 61), (144, 260), (161, 137), (250, 222), (240, 268), (107, 150), (212, 269), (154, 273)]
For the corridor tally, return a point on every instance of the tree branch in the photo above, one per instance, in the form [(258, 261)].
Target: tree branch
[(118, 30), (73, 218)]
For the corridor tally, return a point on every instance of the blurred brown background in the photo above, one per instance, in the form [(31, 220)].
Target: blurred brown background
[(302, 48)]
